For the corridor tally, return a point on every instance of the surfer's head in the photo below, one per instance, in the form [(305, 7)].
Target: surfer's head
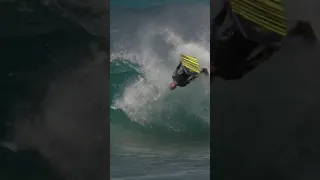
[(173, 85)]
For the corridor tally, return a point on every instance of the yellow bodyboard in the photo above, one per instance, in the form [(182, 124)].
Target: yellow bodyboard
[(190, 63), (269, 14)]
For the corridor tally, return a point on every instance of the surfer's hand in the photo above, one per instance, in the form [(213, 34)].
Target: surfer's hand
[(205, 71)]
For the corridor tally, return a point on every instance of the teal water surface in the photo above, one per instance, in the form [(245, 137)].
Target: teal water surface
[(157, 133)]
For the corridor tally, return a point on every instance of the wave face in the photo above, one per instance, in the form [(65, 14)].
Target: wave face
[(146, 41)]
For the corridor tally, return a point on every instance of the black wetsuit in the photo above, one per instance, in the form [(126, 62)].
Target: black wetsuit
[(230, 50), (183, 76)]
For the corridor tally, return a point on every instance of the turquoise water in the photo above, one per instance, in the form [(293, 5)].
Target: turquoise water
[(157, 133)]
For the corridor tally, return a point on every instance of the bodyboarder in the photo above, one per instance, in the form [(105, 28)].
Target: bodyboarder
[(187, 71)]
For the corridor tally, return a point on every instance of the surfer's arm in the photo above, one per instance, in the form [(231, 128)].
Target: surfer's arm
[(176, 70), (190, 79), (193, 77), (179, 66)]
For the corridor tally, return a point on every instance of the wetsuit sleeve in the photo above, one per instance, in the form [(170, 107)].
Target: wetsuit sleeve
[(178, 66), (176, 70), (191, 79)]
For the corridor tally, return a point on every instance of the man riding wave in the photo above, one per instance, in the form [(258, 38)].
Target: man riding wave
[(187, 71)]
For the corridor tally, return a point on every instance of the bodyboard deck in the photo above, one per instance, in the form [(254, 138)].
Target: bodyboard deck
[(191, 63)]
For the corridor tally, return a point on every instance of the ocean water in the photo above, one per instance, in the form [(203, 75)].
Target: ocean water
[(157, 133)]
